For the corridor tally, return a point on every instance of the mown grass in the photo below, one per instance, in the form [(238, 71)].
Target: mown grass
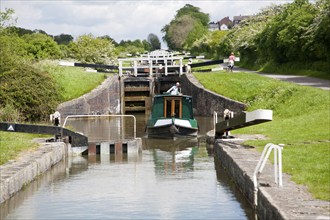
[(301, 121), (11, 144), (73, 81), (312, 69)]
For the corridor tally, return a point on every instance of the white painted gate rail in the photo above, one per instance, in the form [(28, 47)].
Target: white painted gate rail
[(262, 162)]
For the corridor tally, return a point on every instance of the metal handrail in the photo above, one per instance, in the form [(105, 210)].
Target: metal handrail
[(262, 162), (87, 116)]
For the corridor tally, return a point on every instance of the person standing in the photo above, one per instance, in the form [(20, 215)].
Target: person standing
[(175, 90), (231, 61), (56, 118)]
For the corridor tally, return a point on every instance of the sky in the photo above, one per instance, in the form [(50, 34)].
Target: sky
[(120, 19)]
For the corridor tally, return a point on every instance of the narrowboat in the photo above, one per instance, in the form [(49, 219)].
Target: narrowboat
[(172, 116)]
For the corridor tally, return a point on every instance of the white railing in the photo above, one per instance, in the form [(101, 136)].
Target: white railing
[(94, 116), (262, 162), (215, 120), (149, 64)]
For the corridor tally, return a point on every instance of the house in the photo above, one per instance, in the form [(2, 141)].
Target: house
[(225, 23), (238, 19), (213, 26)]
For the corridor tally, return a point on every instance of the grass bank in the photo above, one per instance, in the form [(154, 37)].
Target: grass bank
[(73, 82), (301, 121), (312, 69), (11, 144)]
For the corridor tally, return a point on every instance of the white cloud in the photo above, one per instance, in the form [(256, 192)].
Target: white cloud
[(121, 20)]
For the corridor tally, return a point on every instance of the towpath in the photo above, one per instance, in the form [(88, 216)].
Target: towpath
[(301, 80)]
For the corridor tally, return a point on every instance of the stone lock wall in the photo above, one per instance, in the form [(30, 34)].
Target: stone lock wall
[(205, 101), (105, 99), (17, 173)]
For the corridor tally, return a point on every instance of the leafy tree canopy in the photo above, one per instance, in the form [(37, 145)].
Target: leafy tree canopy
[(133, 47), (188, 25), (109, 39), (282, 40), (20, 31), (153, 40), (293, 32), (6, 18), (31, 91), (24, 89), (63, 39), (90, 49), (195, 13), (42, 46), (208, 45)]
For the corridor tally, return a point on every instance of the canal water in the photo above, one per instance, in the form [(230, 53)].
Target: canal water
[(167, 179)]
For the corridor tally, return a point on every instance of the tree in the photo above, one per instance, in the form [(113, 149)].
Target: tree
[(63, 39), (154, 41), (31, 91), (188, 25), (318, 33), (209, 45), (109, 39), (178, 31), (134, 47), (195, 13), (42, 46), (20, 31), (146, 45), (282, 40), (12, 51), (24, 88), (90, 49), (39, 31), (245, 37), (6, 18), (196, 33)]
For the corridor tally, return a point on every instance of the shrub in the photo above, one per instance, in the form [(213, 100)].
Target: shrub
[(29, 90), (10, 114)]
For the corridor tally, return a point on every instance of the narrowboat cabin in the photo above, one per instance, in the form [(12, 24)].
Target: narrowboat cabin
[(172, 116)]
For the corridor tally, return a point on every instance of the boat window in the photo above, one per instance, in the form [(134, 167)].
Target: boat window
[(172, 107)]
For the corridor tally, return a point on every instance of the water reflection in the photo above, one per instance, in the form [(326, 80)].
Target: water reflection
[(169, 179), (56, 174), (114, 128), (103, 129), (226, 183), (173, 157)]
